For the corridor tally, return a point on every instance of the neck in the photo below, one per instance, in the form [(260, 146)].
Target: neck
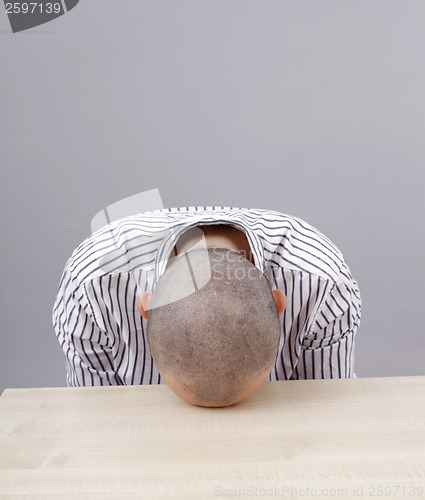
[(215, 236)]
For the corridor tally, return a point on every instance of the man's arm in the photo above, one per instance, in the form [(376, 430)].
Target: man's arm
[(88, 355), (327, 351)]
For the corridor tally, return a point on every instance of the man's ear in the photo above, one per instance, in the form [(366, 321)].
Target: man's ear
[(143, 303), (280, 300)]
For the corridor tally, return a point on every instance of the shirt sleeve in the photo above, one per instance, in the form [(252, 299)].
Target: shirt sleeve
[(327, 350), (88, 356)]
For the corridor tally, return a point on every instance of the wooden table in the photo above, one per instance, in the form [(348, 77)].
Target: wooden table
[(330, 438)]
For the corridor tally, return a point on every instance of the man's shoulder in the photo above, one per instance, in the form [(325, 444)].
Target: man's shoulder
[(133, 240), (112, 248), (295, 245)]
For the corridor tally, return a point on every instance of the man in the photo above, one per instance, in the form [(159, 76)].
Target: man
[(108, 319)]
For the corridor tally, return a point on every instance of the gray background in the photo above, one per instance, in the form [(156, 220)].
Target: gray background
[(315, 109)]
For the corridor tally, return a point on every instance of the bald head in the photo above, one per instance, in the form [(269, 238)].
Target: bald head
[(213, 327)]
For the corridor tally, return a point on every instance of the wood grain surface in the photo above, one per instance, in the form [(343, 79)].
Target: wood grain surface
[(349, 438)]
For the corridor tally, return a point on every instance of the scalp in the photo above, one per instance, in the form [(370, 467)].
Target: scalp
[(215, 341)]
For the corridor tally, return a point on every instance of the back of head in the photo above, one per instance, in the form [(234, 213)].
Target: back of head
[(213, 345)]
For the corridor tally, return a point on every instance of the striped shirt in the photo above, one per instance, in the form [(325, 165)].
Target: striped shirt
[(103, 336)]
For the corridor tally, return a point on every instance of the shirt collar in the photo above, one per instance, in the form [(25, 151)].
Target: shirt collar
[(178, 227)]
